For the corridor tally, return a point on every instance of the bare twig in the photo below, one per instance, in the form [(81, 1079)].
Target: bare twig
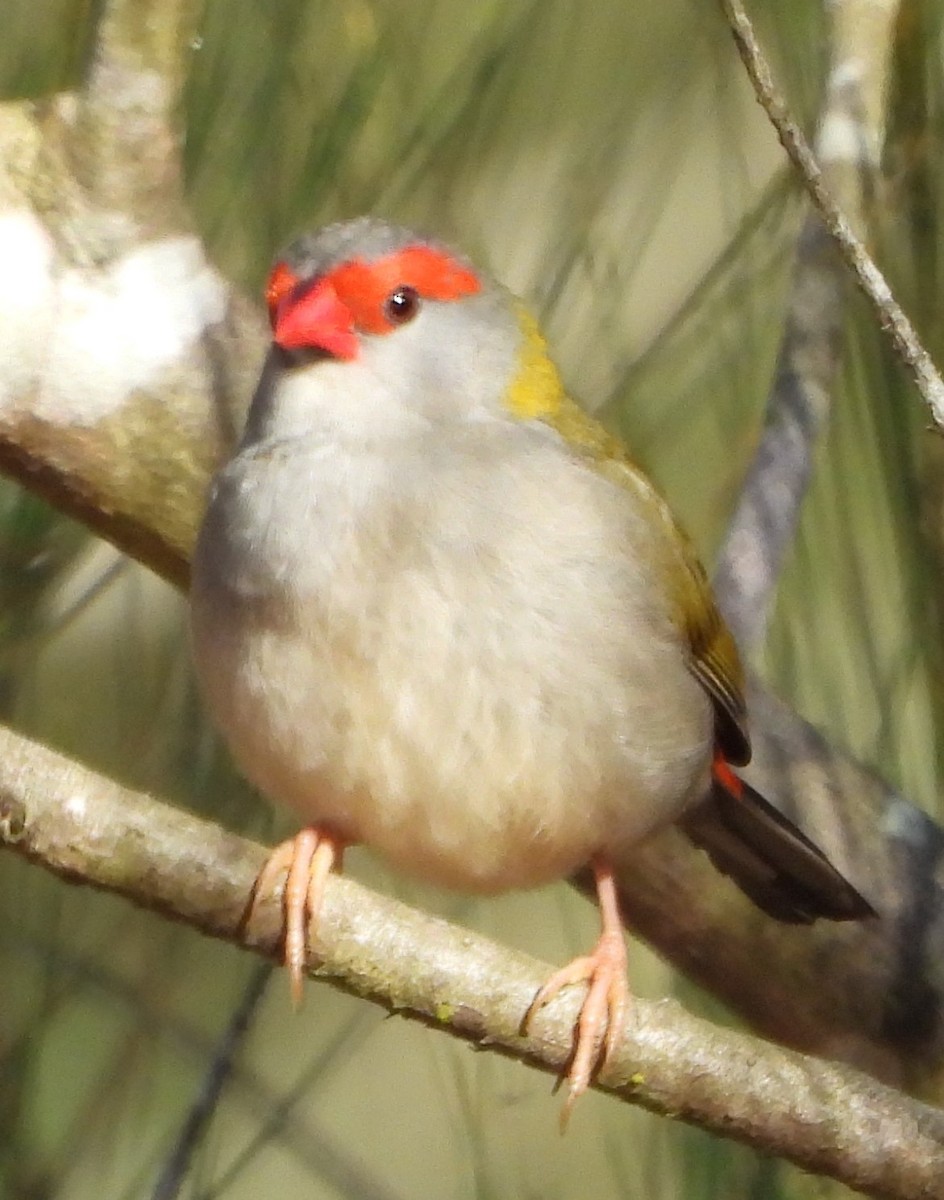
[(825, 1117), (217, 1075), (848, 143), (899, 843), (870, 279)]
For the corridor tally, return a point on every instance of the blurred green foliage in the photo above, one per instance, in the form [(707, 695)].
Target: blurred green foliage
[(609, 163)]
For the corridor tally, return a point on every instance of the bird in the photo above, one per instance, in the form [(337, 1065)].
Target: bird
[(438, 610)]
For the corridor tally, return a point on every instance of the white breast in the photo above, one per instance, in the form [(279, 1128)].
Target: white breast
[(449, 647)]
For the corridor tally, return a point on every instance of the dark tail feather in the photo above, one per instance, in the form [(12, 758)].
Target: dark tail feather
[(768, 857)]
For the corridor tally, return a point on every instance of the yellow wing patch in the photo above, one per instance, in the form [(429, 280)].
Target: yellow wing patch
[(537, 392)]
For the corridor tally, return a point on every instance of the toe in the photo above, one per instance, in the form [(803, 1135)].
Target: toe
[(305, 860)]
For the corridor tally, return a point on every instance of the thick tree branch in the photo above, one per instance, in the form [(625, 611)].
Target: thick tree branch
[(127, 358), (824, 1117)]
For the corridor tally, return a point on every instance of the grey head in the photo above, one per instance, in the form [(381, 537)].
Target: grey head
[(453, 359), (367, 238)]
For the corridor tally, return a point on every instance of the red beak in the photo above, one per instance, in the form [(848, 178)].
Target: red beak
[(315, 319)]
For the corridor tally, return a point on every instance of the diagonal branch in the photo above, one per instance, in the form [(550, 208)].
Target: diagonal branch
[(762, 526), (822, 1116), (888, 311), (887, 841)]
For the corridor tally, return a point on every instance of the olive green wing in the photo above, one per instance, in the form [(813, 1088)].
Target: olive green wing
[(714, 659), (765, 854), (769, 858)]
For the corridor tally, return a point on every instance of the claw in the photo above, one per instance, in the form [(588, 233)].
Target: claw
[(603, 1012), (306, 860)]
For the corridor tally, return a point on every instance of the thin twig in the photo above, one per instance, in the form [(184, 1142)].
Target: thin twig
[(849, 132), (870, 279), (218, 1072)]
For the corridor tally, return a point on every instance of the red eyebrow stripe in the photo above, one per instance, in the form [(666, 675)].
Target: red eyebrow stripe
[(364, 287), (282, 280)]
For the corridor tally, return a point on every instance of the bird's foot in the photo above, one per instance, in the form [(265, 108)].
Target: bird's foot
[(603, 1012), (306, 860)]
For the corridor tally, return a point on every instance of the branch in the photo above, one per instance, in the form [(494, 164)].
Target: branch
[(890, 316), (128, 359), (822, 1116), (120, 426), (762, 526), (889, 845)]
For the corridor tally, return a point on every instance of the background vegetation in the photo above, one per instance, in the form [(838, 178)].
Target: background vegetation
[(609, 163)]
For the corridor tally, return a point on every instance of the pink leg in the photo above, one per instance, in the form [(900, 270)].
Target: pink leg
[(603, 1012), (307, 858)]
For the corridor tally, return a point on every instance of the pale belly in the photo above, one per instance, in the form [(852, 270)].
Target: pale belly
[(482, 729), (470, 773)]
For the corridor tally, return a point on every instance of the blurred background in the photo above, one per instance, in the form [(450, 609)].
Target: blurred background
[(608, 162)]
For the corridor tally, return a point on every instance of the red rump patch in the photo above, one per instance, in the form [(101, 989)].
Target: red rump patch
[(365, 286), (722, 772)]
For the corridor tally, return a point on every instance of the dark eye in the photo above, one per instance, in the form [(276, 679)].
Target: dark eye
[(402, 305)]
